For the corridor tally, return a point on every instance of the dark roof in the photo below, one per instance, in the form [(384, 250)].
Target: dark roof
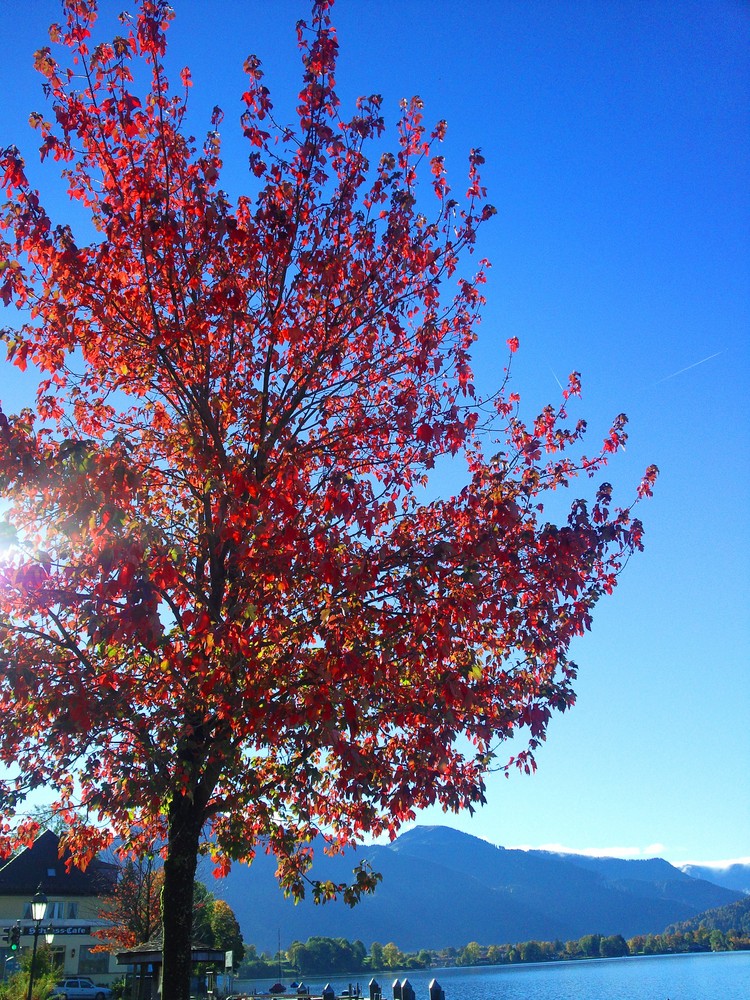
[(41, 865), (150, 953)]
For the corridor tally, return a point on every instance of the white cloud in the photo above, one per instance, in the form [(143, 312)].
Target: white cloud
[(715, 864), (630, 854), (627, 853)]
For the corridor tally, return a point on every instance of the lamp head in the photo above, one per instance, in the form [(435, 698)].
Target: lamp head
[(38, 906)]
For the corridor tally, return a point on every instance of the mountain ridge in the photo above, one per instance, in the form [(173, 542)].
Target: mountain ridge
[(443, 887), (731, 876)]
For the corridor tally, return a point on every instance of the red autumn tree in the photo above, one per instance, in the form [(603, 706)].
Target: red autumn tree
[(229, 619), (133, 910)]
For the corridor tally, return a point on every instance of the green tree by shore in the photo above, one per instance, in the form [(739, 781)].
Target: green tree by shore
[(327, 956)]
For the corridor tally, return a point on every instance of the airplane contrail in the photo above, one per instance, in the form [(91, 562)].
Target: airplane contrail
[(687, 369), (556, 378)]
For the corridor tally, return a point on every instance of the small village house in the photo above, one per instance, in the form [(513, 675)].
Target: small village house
[(74, 902)]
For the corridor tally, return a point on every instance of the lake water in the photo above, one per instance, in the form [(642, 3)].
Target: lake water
[(715, 976)]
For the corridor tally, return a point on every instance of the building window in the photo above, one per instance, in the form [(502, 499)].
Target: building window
[(55, 910), (58, 957), (92, 963)]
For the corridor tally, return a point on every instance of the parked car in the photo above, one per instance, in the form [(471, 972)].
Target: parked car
[(80, 988)]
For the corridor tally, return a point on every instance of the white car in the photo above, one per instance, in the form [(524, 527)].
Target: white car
[(80, 988)]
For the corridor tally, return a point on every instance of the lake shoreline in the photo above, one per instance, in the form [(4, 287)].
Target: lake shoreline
[(691, 976)]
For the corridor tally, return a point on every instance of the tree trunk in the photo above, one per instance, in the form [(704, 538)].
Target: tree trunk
[(185, 824)]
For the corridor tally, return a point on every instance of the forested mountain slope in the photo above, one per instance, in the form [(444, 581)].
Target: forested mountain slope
[(441, 887)]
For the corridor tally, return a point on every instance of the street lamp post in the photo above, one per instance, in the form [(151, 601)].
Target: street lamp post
[(38, 912)]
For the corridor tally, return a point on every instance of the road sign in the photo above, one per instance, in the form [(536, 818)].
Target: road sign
[(63, 930)]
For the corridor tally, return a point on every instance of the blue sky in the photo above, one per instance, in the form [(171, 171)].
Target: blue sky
[(618, 154)]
